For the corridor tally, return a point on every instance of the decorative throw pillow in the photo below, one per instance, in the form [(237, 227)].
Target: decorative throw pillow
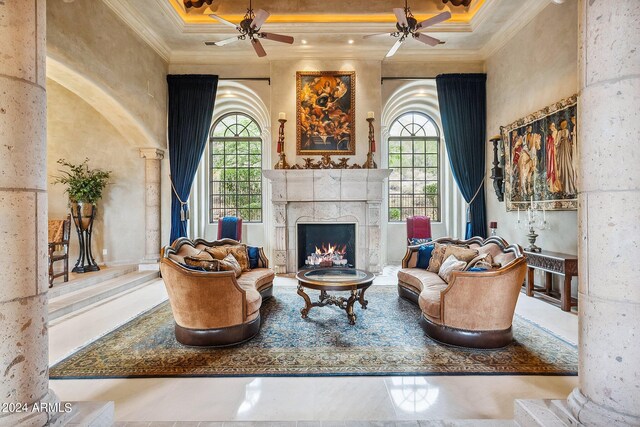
[(483, 261), (424, 256), (190, 267), (238, 251), (254, 256), (229, 263), (415, 241), (450, 265), (437, 256), (460, 252), (204, 264), (218, 252)]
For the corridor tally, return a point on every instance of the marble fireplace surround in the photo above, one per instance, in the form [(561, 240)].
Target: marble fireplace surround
[(327, 196)]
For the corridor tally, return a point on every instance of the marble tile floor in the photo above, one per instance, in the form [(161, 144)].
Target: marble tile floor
[(284, 401)]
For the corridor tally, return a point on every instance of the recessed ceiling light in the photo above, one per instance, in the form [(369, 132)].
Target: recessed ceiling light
[(350, 41), (303, 41)]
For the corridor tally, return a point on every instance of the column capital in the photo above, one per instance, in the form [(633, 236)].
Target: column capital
[(152, 153)]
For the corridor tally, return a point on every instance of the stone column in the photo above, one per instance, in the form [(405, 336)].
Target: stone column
[(609, 219), (24, 374), (152, 172)]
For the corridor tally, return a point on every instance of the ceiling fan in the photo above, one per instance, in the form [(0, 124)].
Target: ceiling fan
[(249, 28), (407, 26)]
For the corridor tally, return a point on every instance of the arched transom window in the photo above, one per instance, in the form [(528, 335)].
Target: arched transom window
[(236, 168), (414, 156)]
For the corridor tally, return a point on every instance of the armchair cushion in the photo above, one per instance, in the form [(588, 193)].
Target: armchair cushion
[(230, 263), (460, 252), (239, 252), (437, 256), (254, 256), (424, 256), (450, 265), (202, 264)]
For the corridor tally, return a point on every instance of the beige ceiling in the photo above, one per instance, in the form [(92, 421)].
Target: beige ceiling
[(326, 27)]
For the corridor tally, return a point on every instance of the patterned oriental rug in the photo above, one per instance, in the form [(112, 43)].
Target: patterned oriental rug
[(386, 340)]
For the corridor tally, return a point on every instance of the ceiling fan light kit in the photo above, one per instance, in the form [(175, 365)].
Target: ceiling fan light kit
[(408, 26), (249, 28)]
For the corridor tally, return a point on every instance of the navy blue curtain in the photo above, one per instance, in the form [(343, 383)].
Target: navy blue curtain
[(463, 108), (191, 101)]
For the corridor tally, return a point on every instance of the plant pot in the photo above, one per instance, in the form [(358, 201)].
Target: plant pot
[(83, 214)]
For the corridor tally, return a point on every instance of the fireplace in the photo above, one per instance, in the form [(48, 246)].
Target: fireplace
[(326, 244)]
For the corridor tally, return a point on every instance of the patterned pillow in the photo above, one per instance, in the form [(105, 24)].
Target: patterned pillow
[(238, 251), (484, 261), (415, 241), (450, 265), (229, 263), (437, 256), (462, 253), (205, 264)]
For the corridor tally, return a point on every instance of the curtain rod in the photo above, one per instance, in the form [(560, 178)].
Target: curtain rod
[(259, 79), (405, 78)]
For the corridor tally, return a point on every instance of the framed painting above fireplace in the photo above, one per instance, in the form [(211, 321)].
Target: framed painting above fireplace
[(325, 110)]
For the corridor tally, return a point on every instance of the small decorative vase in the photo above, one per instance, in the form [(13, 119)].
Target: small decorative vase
[(83, 215)]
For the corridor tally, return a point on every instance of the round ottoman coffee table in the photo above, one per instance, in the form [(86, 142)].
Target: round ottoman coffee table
[(351, 280)]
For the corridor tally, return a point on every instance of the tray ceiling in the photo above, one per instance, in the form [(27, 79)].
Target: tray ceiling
[(324, 29)]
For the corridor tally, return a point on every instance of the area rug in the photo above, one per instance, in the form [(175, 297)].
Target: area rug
[(386, 340)]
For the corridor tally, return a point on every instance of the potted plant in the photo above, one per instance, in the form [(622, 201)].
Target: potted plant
[(84, 188)]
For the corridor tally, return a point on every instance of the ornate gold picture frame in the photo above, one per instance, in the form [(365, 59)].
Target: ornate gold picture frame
[(325, 110)]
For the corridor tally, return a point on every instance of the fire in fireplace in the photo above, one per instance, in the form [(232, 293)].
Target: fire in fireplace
[(326, 245)]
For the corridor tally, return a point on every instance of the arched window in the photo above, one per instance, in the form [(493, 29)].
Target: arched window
[(236, 168), (414, 156)]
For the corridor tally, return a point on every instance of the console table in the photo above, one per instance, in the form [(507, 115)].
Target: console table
[(552, 263)]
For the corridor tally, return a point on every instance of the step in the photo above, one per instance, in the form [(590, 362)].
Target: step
[(89, 414), (535, 413), (80, 280), (77, 300)]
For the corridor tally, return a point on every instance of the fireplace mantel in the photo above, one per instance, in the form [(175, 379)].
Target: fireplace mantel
[(327, 195)]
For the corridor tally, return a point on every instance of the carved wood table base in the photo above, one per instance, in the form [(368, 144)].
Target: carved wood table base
[(341, 302), (356, 282)]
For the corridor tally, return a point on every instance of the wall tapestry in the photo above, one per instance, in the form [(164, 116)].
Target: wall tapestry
[(541, 152), (325, 109)]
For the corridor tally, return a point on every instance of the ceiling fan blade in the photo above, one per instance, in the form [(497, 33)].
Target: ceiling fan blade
[(257, 46), (394, 48), (223, 21), (441, 17), (227, 41), (277, 37), (426, 39), (376, 35), (401, 16), (261, 16)]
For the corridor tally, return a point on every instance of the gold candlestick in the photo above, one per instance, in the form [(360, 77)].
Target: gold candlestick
[(370, 163), (282, 163)]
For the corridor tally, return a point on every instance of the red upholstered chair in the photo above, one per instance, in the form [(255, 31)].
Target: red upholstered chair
[(418, 227), (230, 227)]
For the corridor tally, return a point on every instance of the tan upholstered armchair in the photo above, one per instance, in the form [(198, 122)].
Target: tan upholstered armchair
[(475, 309), (213, 308)]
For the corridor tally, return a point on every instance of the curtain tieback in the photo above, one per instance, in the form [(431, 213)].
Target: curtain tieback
[(473, 198), (184, 207)]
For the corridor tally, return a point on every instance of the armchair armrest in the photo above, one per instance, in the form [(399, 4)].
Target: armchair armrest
[(483, 300), (411, 257), (203, 300)]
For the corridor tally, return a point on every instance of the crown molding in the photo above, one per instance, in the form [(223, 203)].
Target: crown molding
[(529, 10), (133, 20)]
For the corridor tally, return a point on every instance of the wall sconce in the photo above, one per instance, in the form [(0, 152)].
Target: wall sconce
[(497, 172)]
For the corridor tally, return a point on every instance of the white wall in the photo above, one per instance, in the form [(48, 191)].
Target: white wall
[(537, 67), (75, 130)]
